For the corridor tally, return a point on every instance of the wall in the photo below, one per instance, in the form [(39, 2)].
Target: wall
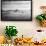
[(26, 27)]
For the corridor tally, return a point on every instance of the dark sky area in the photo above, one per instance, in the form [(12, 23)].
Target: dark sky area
[(16, 0)]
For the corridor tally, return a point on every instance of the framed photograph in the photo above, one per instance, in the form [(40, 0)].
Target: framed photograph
[(16, 10)]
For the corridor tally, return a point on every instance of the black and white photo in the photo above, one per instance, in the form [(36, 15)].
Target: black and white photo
[(16, 10)]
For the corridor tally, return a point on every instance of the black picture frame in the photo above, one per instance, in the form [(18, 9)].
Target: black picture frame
[(3, 18)]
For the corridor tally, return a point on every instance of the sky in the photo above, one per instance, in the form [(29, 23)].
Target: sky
[(13, 5)]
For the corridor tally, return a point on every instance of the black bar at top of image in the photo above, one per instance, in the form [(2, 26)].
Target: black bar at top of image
[(16, 0)]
